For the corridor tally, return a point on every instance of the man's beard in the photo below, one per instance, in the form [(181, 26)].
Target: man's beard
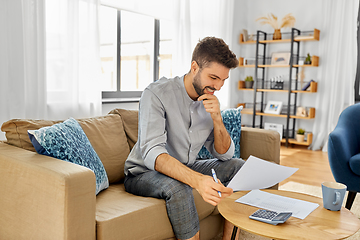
[(197, 85)]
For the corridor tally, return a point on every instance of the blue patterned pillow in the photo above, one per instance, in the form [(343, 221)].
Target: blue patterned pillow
[(67, 141), (232, 122)]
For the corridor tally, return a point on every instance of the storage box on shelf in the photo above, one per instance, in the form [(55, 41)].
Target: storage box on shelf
[(263, 63)]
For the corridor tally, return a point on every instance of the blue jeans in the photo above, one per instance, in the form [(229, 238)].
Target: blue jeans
[(178, 196)]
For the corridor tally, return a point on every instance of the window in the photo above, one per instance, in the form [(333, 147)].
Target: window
[(135, 50)]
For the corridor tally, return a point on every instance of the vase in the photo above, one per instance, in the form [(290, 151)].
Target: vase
[(307, 62), (249, 84), (300, 137), (277, 35)]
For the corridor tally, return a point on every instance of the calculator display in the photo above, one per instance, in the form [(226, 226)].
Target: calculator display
[(280, 216)]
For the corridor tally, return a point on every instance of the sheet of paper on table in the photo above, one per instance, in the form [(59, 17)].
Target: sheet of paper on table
[(300, 209), (259, 174)]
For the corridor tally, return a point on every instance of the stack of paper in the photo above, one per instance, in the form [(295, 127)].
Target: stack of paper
[(300, 209)]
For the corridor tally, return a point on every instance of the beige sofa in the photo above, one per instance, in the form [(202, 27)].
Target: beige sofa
[(46, 198)]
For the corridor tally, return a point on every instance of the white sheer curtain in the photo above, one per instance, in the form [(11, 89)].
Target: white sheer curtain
[(194, 20), (22, 60), (159, 9), (73, 59), (338, 51), (49, 67)]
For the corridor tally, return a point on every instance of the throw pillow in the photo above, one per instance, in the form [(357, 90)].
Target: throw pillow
[(232, 122), (67, 141)]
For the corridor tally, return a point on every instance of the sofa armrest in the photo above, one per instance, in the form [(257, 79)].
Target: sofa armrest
[(261, 143), (43, 197)]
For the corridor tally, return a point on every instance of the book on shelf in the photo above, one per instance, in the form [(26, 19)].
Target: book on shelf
[(307, 85)]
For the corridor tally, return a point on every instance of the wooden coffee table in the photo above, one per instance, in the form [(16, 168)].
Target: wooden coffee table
[(320, 224)]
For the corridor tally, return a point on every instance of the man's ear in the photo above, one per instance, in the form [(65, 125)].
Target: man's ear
[(194, 67)]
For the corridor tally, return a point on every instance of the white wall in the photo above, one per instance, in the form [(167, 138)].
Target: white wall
[(308, 15), (107, 107)]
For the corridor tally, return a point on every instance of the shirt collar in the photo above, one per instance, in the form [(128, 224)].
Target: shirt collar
[(182, 85)]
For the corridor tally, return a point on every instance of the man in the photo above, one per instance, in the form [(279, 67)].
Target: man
[(176, 118)]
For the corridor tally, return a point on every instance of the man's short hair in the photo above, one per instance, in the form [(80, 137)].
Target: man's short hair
[(212, 49)]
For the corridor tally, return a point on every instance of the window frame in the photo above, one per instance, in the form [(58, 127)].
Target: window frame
[(130, 96)]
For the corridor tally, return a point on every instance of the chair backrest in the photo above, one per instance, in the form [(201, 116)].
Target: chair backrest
[(344, 142), (349, 127)]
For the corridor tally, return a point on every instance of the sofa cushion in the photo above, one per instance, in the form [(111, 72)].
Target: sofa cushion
[(106, 135), (67, 141), (119, 213), (232, 122), (108, 138), (16, 131), (130, 120)]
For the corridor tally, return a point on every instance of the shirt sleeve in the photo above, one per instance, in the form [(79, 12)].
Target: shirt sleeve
[(209, 144), (152, 133)]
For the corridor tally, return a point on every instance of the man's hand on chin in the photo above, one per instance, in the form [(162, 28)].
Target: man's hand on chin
[(212, 105)]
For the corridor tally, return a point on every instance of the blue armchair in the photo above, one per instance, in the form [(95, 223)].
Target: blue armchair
[(344, 151)]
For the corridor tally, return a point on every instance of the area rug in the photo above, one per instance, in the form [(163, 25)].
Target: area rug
[(307, 189)]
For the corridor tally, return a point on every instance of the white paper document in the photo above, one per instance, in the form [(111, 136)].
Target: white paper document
[(300, 209), (259, 174)]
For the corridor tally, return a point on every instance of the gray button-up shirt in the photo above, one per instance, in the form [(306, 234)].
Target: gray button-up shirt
[(171, 122)]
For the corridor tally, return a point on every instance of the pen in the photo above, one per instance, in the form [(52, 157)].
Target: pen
[(215, 178)]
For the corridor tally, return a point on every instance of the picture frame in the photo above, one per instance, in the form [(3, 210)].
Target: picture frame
[(280, 58), (273, 107)]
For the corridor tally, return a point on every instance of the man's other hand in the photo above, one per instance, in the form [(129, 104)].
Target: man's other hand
[(208, 190)]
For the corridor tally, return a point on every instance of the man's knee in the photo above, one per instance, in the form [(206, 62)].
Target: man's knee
[(236, 164), (230, 168), (176, 190)]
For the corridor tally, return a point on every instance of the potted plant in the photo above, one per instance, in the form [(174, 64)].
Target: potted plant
[(287, 22), (249, 82), (308, 59), (300, 134)]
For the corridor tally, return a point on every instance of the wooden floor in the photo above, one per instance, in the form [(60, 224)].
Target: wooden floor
[(313, 166)]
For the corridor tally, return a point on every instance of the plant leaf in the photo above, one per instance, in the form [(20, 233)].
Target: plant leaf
[(288, 21), (270, 19), (274, 17)]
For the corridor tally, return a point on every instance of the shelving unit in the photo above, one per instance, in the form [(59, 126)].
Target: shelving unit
[(314, 36), (314, 63), (259, 81), (312, 89), (250, 111)]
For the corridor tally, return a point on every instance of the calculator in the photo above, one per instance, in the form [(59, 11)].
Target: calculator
[(271, 217)]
